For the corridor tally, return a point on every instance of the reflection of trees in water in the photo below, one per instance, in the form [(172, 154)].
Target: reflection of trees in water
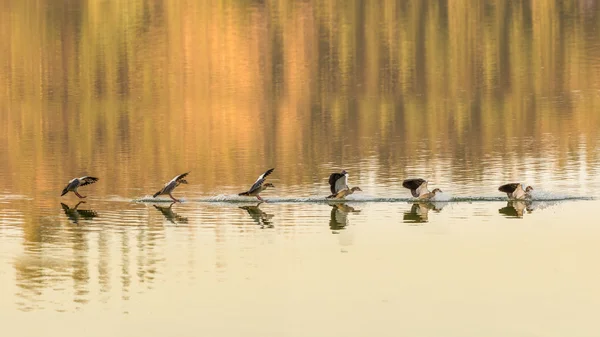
[(80, 272), (481, 102), (58, 259), (419, 211)]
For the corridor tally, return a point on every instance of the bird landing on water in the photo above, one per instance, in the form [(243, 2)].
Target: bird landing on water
[(171, 185), (259, 186), (75, 183)]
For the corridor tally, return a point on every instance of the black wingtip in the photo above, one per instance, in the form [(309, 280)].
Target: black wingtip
[(412, 184), (156, 194), (64, 192), (508, 188)]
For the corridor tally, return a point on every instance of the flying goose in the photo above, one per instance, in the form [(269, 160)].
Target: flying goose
[(418, 188), (76, 183), (259, 186), (170, 186), (516, 191)]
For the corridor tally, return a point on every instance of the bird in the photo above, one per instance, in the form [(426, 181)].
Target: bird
[(75, 183), (338, 182), (259, 186), (344, 193), (418, 188), (516, 191), (171, 185)]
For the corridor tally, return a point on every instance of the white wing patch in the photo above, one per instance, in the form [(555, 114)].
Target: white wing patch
[(341, 183), (422, 189)]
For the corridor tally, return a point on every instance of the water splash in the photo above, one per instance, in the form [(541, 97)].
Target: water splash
[(151, 199), (442, 196), (357, 198)]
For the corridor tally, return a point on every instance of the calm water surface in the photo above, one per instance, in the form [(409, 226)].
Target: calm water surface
[(467, 95)]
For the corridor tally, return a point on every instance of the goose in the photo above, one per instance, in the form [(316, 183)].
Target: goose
[(259, 186), (338, 182), (75, 183), (344, 193), (516, 191), (418, 188), (171, 185)]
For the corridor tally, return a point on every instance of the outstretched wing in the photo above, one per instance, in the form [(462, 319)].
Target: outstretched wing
[(338, 182), (260, 181), (181, 176), (413, 185), (508, 188), (87, 180)]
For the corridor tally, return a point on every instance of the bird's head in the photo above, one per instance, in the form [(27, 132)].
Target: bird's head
[(436, 190), (344, 172), (269, 185), (529, 189), (356, 188)]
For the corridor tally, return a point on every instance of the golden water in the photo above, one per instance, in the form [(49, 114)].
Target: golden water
[(468, 95)]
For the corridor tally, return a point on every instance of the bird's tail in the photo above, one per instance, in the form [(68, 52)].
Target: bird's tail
[(65, 191), (331, 196), (156, 194), (244, 194)]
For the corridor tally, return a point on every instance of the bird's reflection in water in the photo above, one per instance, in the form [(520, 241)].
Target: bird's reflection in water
[(339, 216), (516, 208), (75, 214), (261, 218), (419, 211), (174, 218)]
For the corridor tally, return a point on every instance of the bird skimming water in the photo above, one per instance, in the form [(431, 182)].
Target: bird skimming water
[(418, 189), (75, 183), (170, 186), (259, 186), (516, 191)]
